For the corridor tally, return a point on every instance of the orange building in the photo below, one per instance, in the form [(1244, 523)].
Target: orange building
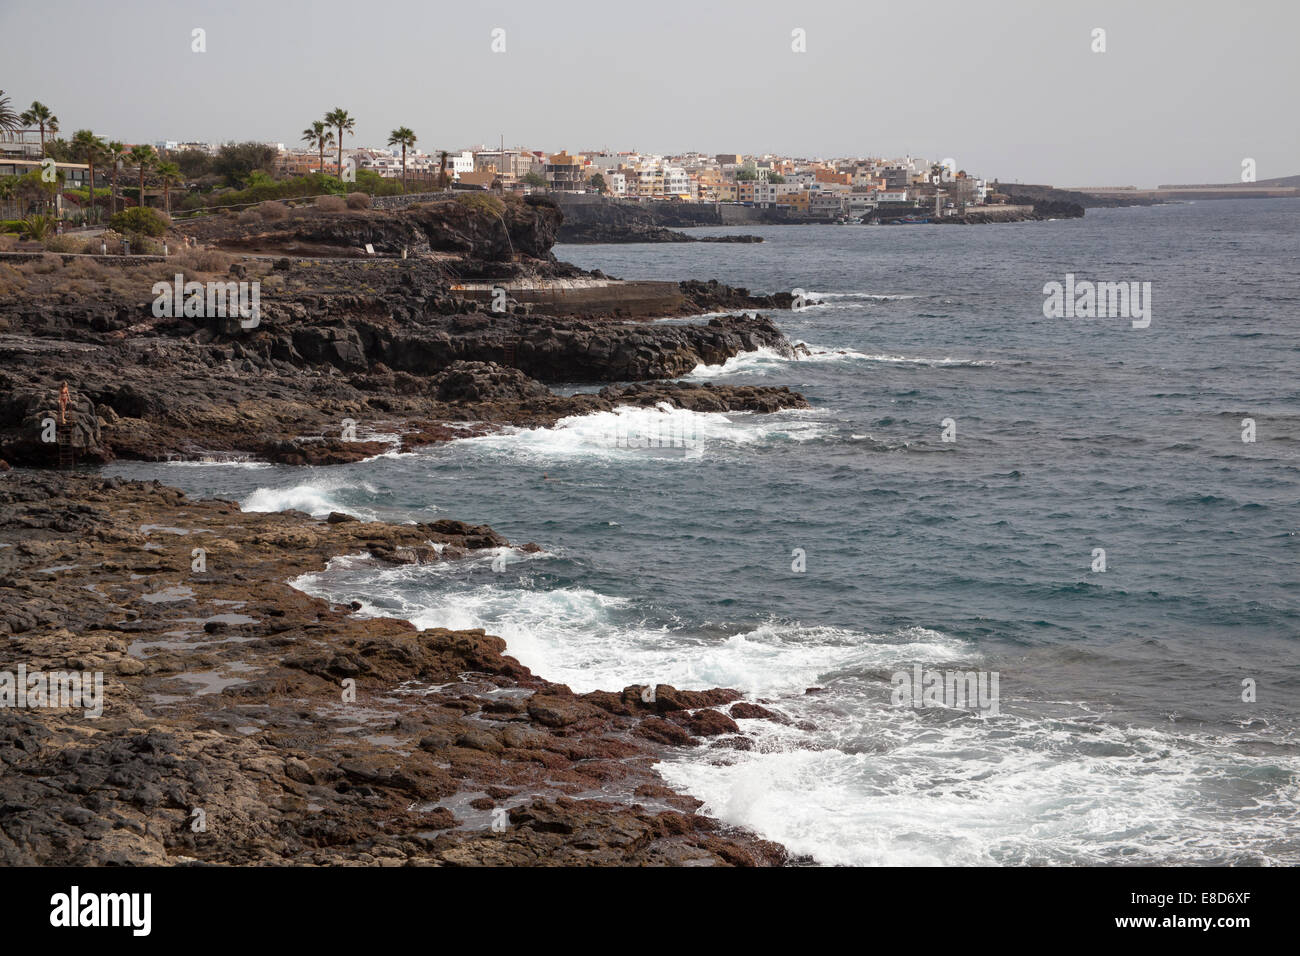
[(831, 176)]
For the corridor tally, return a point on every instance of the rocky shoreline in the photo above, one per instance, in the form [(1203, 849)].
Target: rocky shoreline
[(342, 349), (247, 723), (244, 721)]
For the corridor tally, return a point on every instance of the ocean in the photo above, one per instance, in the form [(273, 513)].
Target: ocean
[(1067, 503)]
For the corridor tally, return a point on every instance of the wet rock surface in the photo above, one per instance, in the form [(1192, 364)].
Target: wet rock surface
[(245, 722)]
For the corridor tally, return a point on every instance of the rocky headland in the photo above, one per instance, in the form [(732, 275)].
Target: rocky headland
[(613, 221), (343, 348), (243, 720)]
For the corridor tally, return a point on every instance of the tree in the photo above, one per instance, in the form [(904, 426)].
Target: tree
[(60, 150), (236, 160), (340, 119), (402, 136), (776, 178), (8, 118), (320, 136), (193, 163), (442, 169), (142, 220), (598, 184), (534, 179), (113, 152), (8, 188), (90, 148), (745, 175), (142, 157), (39, 115), (169, 174), (31, 188)]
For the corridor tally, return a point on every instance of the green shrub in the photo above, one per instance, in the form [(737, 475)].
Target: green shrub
[(11, 225), (64, 243), (482, 202), (142, 245), (204, 260), (38, 227), (140, 219), (371, 183)]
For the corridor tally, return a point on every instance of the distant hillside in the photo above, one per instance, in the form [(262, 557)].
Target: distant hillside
[(1020, 192), (1280, 182)]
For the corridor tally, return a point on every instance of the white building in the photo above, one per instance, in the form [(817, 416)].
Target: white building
[(616, 182), (676, 182)]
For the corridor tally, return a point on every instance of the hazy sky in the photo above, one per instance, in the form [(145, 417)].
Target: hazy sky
[(1009, 88)]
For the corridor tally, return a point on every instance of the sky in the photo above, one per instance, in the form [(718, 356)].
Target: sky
[(1010, 89)]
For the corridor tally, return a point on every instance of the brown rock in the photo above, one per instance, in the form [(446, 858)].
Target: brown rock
[(710, 723)]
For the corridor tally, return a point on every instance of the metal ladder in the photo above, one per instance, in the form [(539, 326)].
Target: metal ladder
[(66, 460), (509, 351)]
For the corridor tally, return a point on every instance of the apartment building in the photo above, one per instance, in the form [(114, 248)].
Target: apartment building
[(796, 202), (770, 194), (615, 183), (677, 185), (510, 163), (565, 173)]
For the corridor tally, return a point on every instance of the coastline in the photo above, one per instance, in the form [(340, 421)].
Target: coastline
[(228, 735), (348, 357), (226, 704)]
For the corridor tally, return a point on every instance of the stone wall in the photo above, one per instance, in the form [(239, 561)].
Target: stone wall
[(410, 199)]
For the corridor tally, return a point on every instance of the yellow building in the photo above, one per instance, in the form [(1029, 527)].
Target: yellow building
[(565, 173), (795, 202), (707, 183)]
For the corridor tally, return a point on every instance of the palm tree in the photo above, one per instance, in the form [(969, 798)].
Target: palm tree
[(169, 174), (89, 147), (8, 118), (142, 157), (320, 136), (60, 150), (442, 170), (344, 122), (39, 115), (114, 151), (403, 137), (8, 192)]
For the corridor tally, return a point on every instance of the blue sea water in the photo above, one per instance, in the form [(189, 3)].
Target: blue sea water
[(1122, 734)]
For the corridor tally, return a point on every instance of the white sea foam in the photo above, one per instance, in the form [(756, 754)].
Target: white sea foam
[(885, 786), (767, 361), (662, 432), (214, 463), (594, 641), (852, 780), (868, 296), (317, 498)]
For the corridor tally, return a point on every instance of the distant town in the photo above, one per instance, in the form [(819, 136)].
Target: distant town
[(814, 188), (42, 172)]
